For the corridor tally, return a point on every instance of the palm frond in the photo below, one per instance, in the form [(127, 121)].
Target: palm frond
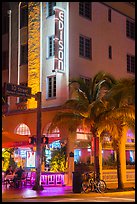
[(108, 113), (123, 92), (130, 122), (76, 105), (106, 125), (67, 119)]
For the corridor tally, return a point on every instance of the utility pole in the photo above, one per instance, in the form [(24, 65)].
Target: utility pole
[(37, 185)]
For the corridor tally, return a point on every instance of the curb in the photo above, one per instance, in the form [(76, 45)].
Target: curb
[(68, 195)]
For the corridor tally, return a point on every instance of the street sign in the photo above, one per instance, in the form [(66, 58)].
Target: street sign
[(17, 90)]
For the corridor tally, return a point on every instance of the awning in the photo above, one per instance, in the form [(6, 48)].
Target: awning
[(13, 140)]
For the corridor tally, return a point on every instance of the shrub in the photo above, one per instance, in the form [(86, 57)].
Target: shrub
[(58, 160)]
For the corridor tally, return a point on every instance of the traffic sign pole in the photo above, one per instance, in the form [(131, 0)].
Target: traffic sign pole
[(37, 185)]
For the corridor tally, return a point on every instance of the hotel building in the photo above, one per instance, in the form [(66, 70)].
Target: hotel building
[(45, 44)]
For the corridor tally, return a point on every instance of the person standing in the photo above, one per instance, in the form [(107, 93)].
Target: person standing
[(17, 177), (8, 172)]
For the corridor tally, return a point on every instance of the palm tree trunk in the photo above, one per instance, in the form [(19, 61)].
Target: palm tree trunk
[(96, 156), (70, 156), (95, 149), (100, 159), (119, 172)]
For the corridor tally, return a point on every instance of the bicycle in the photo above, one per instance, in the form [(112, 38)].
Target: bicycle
[(91, 183)]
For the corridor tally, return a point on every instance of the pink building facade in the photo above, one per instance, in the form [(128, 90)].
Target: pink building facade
[(56, 42)]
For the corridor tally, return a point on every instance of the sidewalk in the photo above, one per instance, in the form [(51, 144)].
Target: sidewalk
[(112, 187), (27, 192)]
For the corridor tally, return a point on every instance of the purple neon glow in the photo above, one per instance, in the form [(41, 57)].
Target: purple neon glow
[(49, 178), (27, 192)]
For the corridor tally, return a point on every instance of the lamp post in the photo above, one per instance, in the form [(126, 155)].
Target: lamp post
[(37, 185), (9, 15)]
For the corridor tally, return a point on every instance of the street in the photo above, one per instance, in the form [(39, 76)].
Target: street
[(128, 196)]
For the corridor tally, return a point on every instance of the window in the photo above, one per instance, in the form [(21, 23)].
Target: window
[(109, 15), (5, 60), (50, 9), (85, 47), (85, 9), (108, 157), (23, 99), (130, 137), (48, 155), (130, 29), (24, 16), (51, 46), (130, 157), (131, 63), (77, 155), (54, 133), (82, 136), (51, 87), (22, 129), (110, 52), (82, 133), (24, 54)]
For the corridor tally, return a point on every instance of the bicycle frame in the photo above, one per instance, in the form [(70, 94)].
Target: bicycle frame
[(93, 183)]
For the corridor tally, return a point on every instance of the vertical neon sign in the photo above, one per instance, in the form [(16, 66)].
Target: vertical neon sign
[(59, 40)]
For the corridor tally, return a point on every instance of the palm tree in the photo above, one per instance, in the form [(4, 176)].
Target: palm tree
[(70, 121), (76, 111), (120, 114), (90, 95), (100, 113)]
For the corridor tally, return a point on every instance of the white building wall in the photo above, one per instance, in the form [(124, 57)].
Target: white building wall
[(103, 34), (48, 29)]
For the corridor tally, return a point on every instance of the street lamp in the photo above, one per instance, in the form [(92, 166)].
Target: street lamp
[(9, 15)]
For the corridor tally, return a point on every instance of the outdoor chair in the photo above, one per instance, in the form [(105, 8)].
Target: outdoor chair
[(22, 181), (33, 177), (23, 178), (28, 178), (6, 180)]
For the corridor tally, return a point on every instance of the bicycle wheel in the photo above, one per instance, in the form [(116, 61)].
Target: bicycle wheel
[(101, 186), (85, 187)]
